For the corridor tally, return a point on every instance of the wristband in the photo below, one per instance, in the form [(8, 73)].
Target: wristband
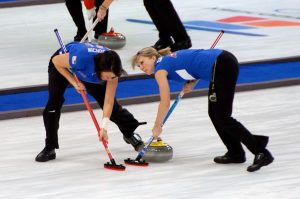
[(104, 122), (102, 7)]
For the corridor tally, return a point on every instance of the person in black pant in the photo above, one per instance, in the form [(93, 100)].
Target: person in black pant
[(75, 10), (221, 69), (98, 69), (171, 30), (232, 132)]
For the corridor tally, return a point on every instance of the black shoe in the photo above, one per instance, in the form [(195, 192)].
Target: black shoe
[(79, 36), (96, 35), (226, 159), (46, 155), (161, 44), (181, 45), (260, 160), (136, 141)]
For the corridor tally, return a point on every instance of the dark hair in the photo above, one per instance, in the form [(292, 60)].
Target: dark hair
[(108, 61)]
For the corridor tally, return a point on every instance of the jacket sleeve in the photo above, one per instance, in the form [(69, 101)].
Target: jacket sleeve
[(89, 4)]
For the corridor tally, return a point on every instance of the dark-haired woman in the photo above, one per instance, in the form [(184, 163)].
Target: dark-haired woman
[(98, 69)]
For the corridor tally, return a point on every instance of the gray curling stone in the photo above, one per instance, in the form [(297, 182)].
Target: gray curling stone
[(158, 151), (112, 39)]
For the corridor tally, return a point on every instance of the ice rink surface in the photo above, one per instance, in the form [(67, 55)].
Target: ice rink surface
[(26, 43), (78, 171)]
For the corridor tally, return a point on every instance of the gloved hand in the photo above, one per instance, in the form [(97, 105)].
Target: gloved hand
[(91, 13)]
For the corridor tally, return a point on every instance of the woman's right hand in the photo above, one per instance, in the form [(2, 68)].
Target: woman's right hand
[(156, 131), (79, 87), (103, 135)]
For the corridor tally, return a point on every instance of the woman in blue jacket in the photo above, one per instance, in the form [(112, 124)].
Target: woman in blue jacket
[(98, 70), (221, 69)]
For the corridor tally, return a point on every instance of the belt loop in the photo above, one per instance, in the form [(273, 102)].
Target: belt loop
[(213, 96), (214, 74)]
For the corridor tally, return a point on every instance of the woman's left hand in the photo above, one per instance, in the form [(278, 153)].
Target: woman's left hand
[(156, 131)]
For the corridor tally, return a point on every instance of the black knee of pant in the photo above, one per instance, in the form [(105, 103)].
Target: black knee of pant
[(240, 133), (159, 19), (52, 110), (220, 116), (51, 122), (229, 125), (51, 116), (124, 120), (160, 3), (75, 10), (149, 3), (166, 12), (262, 141)]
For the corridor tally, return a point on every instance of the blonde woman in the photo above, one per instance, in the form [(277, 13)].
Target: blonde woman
[(221, 69)]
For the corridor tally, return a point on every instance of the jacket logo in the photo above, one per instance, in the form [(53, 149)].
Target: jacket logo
[(74, 58)]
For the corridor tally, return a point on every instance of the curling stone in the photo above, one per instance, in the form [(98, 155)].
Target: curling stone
[(112, 39), (158, 151)]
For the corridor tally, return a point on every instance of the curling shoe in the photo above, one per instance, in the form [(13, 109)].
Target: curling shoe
[(136, 141), (226, 159), (79, 36), (261, 159), (186, 44), (161, 44), (96, 35), (45, 155)]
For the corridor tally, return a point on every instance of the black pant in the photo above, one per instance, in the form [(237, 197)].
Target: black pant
[(75, 10), (231, 132), (166, 20), (51, 115)]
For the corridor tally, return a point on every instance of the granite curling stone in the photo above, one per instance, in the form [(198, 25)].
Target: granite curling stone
[(112, 39), (158, 151)]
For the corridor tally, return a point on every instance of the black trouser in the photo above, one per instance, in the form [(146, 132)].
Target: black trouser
[(166, 20), (57, 86), (231, 132), (75, 10)]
